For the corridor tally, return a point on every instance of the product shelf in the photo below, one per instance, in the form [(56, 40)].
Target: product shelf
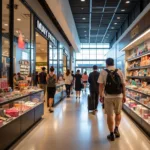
[(138, 102), (139, 77), (138, 57), (138, 91), (138, 68), (137, 114)]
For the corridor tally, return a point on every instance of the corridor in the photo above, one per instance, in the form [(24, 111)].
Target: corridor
[(71, 127)]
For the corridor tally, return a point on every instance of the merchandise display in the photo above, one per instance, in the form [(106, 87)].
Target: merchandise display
[(60, 93), (138, 85), (24, 67), (16, 103)]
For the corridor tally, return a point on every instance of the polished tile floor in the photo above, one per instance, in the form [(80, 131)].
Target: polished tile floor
[(71, 127)]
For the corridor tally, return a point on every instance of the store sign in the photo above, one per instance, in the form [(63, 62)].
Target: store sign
[(134, 32), (45, 31)]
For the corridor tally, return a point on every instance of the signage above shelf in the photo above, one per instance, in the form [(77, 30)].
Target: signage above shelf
[(140, 39)]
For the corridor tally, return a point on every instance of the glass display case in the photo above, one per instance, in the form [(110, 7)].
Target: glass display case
[(60, 94), (19, 110)]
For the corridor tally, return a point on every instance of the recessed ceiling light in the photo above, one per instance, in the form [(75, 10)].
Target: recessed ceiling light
[(84, 18), (123, 10), (127, 2), (84, 31), (5, 24), (18, 19), (115, 23), (118, 17), (82, 8), (82, 0)]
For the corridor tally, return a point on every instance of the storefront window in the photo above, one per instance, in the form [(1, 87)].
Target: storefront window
[(21, 39), (5, 39)]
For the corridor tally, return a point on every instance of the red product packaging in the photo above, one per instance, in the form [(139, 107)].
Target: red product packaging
[(1, 123), (13, 112)]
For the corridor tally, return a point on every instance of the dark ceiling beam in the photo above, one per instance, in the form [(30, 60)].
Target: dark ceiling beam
[(90, 16), (101, 20), (100, 7), (101, 13), (111, 20)]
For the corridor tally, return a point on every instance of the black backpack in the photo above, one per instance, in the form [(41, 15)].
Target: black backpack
[(113, 82)]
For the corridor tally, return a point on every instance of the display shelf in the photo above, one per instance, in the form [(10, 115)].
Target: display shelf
[(138, 57), (138, 91), (138, 114), (139, 77), (29, 108), (138, 68), (143, 124), (9, 100), (137, 101)]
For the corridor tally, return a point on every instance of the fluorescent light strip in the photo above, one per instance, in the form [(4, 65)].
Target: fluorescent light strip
[(138, 38)]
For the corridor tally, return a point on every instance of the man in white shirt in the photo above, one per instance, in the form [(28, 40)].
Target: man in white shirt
[(112, 93)]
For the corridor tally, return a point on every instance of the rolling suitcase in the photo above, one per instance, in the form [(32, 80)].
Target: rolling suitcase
[(91, 103)]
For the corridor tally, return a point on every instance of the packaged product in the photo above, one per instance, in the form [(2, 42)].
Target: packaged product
[(13, 112), (1, 123)]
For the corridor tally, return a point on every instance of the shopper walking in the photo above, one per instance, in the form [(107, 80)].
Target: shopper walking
[(51, 87), (94, 86), (85, 80), (112, 84), (72, 84), (78, 83), (68, 80), (42, 79)]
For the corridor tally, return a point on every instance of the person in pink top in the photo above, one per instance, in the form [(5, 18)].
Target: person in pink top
[(85, 80)]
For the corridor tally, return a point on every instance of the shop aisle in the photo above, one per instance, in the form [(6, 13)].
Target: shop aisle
[(71, 127)]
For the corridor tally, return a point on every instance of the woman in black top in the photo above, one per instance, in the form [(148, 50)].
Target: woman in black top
[(78, 86)]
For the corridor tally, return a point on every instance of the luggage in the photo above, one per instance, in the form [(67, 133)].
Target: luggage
[(91, 103)]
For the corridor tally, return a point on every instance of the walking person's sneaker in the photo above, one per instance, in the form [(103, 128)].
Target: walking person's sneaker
[(111, 137), (116, 132), (51, 111)]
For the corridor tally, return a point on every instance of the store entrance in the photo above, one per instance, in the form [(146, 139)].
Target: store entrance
[(41, 53)]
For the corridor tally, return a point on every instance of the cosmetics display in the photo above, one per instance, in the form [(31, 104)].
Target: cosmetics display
[(138, 85)]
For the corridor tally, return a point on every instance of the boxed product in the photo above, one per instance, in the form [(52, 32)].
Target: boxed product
[(13, 112), (1, 123)]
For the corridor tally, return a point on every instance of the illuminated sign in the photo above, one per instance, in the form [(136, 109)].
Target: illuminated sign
[(45, 32)]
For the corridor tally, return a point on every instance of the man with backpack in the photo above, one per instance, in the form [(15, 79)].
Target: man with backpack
[(112, 93), (42, 79), (94, 87)]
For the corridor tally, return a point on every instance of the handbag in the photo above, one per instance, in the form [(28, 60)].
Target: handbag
[(82, 86)]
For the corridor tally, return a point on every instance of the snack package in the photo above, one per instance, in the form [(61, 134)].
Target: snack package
[(13, 112)]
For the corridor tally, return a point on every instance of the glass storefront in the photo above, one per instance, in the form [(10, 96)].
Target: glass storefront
[(33, 45), (5, 40)]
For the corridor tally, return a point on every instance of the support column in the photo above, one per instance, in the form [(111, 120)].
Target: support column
[(0, 38), (11, 39)]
